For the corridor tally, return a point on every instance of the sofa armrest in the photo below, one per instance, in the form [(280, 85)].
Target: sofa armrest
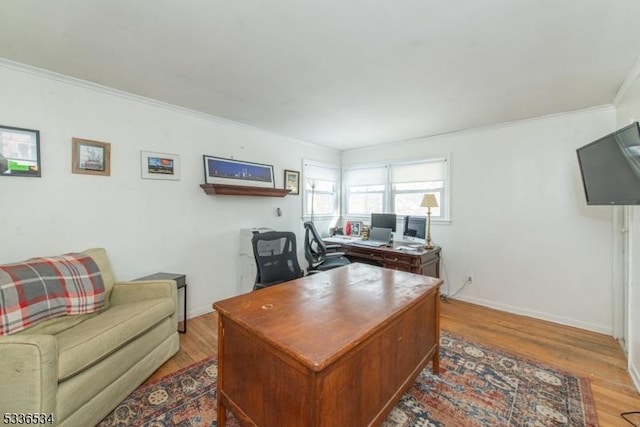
[(28, 374), (142, 290)]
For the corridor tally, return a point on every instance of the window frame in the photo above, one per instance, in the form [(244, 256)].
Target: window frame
[(390, 193), (306, 211)]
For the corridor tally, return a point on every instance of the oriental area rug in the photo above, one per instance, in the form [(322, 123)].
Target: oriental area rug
[(477, 386)]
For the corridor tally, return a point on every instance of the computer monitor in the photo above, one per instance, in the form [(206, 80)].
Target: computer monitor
[(414, 228), (383, 220)]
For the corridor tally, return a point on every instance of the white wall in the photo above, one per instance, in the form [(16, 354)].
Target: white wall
[(145, 225), (628, 111), (520, 224)]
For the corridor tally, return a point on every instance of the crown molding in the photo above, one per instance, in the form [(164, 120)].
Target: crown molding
[(85, 84), (503, 125), (631, 78)]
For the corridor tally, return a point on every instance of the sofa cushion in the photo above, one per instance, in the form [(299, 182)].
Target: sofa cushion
[(43, 288), (96, 338), (56, 325), (59, 324), (99, 255)]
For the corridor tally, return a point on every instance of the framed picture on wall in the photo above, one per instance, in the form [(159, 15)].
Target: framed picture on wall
[(90, 157), (159, 165), (218, 170), (19, 152), (292, 181)]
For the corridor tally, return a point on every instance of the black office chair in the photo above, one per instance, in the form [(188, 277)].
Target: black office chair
[(276, 258), (315, 251)]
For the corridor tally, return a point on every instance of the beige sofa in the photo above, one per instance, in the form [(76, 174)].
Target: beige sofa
[(80, 367)]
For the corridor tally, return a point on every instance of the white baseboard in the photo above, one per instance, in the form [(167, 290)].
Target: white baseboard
[(539, 315), (199, 311), (635, 376)]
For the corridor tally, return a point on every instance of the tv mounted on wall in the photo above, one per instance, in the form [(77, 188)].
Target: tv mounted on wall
[(610, 168)]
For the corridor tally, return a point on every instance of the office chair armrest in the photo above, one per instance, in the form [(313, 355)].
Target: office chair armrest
[(332, 246), (334, 254)]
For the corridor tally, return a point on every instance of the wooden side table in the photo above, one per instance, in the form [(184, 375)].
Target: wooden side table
[(181, 281)]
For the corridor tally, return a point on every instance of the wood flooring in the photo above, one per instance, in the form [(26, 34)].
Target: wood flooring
[(582, 353)]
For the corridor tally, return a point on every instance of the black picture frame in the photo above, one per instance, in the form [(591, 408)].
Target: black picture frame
[(356, 228), (218, 170), (20, 152)]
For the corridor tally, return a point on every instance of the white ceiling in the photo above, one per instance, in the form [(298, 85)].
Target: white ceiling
[(339, 73)]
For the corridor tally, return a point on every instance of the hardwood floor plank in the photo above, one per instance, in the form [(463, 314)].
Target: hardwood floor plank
[(583, 353)]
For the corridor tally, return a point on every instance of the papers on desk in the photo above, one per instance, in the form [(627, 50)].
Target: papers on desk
[(408, 248), (370, 243), (337, 239)]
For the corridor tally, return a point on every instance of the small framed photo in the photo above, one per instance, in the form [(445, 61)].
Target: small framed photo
[(218, 170), (159, 165), (292, 181), (356, 228), (90, 157), (19, 152)]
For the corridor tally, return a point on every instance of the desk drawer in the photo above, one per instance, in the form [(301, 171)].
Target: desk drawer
[(391, 260), (426, 263), (364, 253), (400, 262)]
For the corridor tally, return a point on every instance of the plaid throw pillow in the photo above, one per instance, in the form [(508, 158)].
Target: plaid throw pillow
[(42, 288)]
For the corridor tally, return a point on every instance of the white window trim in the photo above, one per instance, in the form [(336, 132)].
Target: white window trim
[(344, 192), (307, 216), (387, 202)]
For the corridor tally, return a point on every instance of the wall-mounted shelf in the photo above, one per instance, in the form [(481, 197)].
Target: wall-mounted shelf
[(241, 190)]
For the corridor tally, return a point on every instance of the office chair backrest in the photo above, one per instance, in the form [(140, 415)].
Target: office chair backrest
[(314, 249), (276, 258)]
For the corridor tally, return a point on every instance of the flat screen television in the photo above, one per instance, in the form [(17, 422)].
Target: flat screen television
[(384, 220), (610, 168), (414, 228)]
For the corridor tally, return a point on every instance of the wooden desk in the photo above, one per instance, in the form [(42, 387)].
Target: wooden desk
[(337, 348), (425, 262)]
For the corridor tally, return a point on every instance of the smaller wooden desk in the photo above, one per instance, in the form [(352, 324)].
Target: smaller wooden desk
[(337, 348), (421, 261)]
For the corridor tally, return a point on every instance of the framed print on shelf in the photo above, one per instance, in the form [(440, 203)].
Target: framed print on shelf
[(356, 228), (159, 165), (292, 181), (218, 170), (19, 152), (90, 157)]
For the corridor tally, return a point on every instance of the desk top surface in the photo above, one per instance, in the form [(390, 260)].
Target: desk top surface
[(319, 317), (409, 248)]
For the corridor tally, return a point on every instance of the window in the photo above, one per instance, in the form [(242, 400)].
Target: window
[(320, 189), (410, 182), (397, 188), (365, 190)]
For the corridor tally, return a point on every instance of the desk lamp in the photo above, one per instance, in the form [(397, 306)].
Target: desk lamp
[(429, 201)]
